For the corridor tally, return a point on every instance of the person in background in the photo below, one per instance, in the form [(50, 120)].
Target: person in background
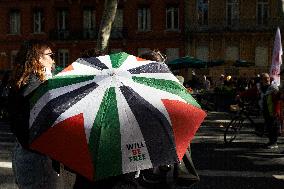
[(33, 66), (180, 79), (206, 83), (220, 81), (270, 102), (185, 173)]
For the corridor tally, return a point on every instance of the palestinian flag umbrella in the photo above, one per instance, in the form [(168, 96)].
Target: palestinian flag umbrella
[(114, 114)]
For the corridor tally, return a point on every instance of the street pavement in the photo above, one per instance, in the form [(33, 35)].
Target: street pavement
[(6, 146), (242, 165)]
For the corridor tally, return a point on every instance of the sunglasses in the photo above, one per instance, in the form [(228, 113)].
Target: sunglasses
[(52, 55)]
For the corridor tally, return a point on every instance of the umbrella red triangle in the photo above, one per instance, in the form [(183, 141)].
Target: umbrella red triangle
[(186, 120), (68, 137)]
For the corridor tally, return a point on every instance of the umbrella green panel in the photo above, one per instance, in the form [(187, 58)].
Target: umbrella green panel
[(104, 141), (171, 87), (186, 62), (57, 69), (243, 63), (117, 59)]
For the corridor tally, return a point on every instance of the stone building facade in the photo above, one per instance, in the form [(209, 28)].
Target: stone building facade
[(231, 30), (215, 30), (72, 26)]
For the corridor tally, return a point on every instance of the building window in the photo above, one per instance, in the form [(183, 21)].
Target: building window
[(172, 19), (262, 12), (202, 52), (89, 23), (62, 20), (63, 57), (232, 12), (13, 58), (15, 22), (62, 24), (117, 26), (172, 54), (202, 12), (144, 19), (261, 56), (38, 21), (232, 53)]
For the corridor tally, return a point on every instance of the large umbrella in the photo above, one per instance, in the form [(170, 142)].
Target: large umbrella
[(186, 62), (114, 114)]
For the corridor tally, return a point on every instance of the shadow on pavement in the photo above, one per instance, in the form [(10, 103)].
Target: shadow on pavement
[(240, 165)]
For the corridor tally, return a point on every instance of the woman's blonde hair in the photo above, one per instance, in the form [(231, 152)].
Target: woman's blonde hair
[(27, 62)]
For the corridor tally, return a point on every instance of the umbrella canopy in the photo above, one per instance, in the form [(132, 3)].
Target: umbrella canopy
[(113, 114), (186, 62), (243, 63), (215, 63), (191, 62)]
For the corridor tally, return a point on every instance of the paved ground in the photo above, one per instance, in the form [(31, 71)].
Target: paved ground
[(242, 165), (6, 146)]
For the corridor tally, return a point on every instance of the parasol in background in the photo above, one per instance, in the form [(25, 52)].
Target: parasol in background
[(186, 62), (191, 62)]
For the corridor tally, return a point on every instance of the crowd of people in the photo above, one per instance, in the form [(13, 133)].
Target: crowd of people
[(34, 64), (260, 91), (204, 82)]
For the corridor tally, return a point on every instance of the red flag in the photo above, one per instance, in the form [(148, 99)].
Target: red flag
[(276, 59)]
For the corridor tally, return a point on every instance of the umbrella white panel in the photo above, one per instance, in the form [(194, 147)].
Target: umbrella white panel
[(105, 60), (131, 62), (89, 106), (152, 95), (51, 95), (131, 135), (54, 93), (81, 68)]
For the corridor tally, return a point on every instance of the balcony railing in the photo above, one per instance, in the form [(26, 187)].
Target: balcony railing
[(60, 34), (238, 25), (85, 34)]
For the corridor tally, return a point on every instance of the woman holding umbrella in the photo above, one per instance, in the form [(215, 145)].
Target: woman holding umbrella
[(34, 62)]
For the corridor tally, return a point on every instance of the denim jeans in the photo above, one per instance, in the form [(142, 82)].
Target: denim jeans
[(33, 170)]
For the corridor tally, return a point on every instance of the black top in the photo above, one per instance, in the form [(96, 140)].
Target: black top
[(19, 110)]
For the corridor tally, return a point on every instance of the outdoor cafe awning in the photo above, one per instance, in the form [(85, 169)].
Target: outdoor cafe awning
[(243, 63), (191, 62)]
